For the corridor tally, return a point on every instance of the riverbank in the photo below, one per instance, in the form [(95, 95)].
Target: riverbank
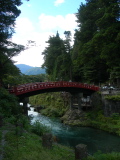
[(54, 106), (92, 119), (28, 146)]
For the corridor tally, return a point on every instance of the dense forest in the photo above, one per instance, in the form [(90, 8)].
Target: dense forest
[(94, 57)]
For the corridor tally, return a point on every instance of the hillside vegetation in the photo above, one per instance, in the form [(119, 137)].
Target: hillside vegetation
[(35, 71)]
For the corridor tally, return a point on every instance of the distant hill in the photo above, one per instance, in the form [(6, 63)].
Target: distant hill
[(23, 67), (29, 70), (35, 71)]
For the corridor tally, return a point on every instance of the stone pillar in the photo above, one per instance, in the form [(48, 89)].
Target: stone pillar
[(75, 100), (25, 107), (80, 151), (47, 140), (79, 96)]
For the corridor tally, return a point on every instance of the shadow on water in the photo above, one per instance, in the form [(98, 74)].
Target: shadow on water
[(71, 136)]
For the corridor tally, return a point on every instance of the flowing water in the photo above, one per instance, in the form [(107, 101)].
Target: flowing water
[(71, 136)]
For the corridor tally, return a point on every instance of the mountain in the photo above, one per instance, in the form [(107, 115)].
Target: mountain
[(29, 70), (23, 67)]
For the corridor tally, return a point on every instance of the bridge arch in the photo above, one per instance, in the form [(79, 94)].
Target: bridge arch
[(26, 90), (30, 89)]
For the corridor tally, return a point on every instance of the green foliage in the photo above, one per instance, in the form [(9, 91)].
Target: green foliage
[(29, 147), (102, 156), (22, 79), (8, 104), (9, 13), (23, 121), (57, 59), (113, 97), (54, 104), (109, 124), (8, 72), (51, 111), (116, 116), (39, 129), (95, 52)]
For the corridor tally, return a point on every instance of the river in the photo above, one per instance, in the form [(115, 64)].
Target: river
[(71, 136)]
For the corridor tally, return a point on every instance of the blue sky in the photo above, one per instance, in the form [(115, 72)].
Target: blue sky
[(40, 19)]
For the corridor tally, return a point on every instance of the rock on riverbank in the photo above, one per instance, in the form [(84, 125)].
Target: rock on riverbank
[(74, 117)]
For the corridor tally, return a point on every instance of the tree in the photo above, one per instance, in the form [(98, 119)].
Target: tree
[(8, 14), (85, 66), (51, 53), (109, 36), (68, 53), (96, 44), (57, 59)]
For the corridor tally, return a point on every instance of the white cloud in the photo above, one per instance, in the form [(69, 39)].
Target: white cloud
[(25, 31), (58, 2), (58, 23), (48, 26), (48, 22), (23, 25), (30, 57)]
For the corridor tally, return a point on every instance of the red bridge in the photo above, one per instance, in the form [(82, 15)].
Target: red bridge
[(30, 89)]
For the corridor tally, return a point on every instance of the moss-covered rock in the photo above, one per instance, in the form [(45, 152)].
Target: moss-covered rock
[(74, 117)]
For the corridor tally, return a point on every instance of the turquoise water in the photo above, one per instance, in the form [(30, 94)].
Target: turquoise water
[(71, 136)]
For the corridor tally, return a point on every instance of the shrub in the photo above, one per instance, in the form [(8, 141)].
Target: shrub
[(116, 116), (8, 103), (39, 129), (113, 97)]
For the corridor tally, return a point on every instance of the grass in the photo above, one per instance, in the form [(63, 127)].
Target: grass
[(39, 129), (29, 147), (100, 156)]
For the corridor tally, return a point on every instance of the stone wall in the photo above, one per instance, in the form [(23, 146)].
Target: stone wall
[(109, 107), (96, 99)]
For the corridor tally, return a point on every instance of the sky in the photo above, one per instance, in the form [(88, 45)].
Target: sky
[(40, 19)]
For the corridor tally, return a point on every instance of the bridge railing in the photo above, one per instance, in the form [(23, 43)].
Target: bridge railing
[(44, 85)]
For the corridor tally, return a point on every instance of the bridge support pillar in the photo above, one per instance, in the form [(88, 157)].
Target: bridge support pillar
[(71, 101), (25, 107), (75, 101)]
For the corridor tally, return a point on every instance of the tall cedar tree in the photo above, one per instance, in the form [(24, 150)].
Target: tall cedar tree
[(8, 14), (96, 40), (56, 59)]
